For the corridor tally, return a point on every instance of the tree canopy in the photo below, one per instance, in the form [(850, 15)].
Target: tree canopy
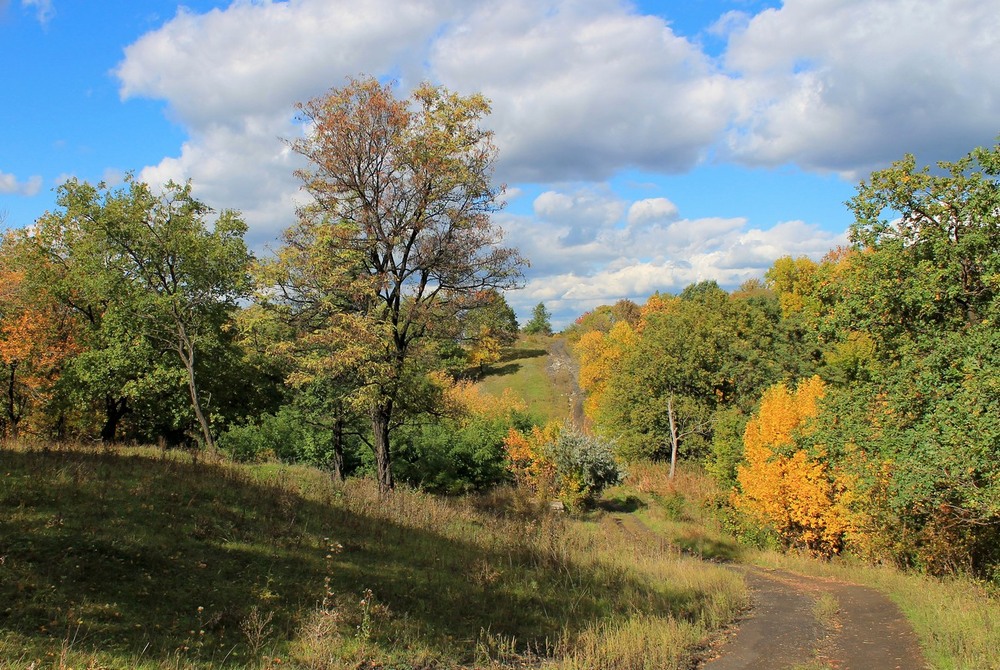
[(398, 232)]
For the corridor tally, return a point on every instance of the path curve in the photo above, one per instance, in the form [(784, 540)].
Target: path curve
[(868, 632)]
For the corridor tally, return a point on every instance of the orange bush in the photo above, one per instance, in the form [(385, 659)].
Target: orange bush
[(528, 461)]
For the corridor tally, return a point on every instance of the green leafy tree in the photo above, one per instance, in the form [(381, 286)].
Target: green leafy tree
[(929, 242), (540, 321), (402, 197), (140, 265)]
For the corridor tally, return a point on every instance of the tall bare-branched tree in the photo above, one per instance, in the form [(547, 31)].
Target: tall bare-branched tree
[(399, 229)]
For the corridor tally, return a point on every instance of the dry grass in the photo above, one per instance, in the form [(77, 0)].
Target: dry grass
[(145, 558)]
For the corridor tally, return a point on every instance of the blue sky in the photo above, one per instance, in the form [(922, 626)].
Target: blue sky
[(645, 145)]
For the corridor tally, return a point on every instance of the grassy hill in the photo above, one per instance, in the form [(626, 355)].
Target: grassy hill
[(138, 558), (538, 369)]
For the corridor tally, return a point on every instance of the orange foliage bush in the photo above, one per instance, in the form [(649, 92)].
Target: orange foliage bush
[(795, 494), (528, 461)]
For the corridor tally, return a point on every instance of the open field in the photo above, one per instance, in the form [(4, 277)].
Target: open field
[(527, 369)]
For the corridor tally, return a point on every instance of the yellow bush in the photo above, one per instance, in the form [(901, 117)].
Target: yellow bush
[(795, 494)]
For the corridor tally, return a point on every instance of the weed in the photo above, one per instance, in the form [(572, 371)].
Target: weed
[(256, 628), (826, 608)]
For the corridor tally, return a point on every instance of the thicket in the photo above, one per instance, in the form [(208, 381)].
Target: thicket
[(850, 404)]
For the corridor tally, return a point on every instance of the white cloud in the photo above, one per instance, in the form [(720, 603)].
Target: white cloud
[(233, 76), (847, 85), (44, 11), (11, 185), (572, 275), (583, 89), (651, 210)]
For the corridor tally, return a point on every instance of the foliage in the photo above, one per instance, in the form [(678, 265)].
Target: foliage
[(398, 238), (602, 319), (562, 462), (539, 324), (288, 436), (168, 273), (600, 355), (464, 450), (37, 336), (784, 487)]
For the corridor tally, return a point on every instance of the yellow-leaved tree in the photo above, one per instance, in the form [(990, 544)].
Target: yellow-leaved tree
[(784, 487), (600, 354)]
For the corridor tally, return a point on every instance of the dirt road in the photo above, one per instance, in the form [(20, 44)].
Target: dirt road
[(852, 628)]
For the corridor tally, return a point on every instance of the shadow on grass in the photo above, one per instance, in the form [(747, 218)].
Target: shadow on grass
[(710, 548), (627, 504), (137, 556), (501, 370), (518, 354)]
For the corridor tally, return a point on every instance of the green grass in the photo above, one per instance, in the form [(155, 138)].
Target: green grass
[(525, 370), (139, 558)]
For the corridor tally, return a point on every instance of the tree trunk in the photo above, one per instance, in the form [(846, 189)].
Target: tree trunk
[(114, 410), (338, 451), (185, 349), (673, 436), (381, 415), (12, 413)]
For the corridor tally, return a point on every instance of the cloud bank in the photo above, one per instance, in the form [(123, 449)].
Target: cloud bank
[(582, 90)]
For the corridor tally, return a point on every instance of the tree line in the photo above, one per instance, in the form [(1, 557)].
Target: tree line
[(850, 404), (138, 313)]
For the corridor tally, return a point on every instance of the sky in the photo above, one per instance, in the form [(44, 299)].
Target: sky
[(644, 145)]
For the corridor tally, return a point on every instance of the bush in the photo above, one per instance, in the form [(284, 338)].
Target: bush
[(454, 457), (584, 467), (285, 436)]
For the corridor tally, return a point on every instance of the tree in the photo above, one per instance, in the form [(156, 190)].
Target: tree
[(932, 264), (783, 486), (402, 197), (37, 336), (539, 323), (138, 264)]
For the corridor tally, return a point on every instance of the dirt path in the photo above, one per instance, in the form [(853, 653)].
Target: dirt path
[(862, 629), (563, 371)]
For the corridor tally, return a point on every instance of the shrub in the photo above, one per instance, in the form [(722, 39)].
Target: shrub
[(561, 462)]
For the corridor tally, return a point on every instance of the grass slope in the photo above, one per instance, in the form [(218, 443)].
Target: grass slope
[(138, 558), (524, 370)]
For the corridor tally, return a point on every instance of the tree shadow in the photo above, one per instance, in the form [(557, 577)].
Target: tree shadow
[(627, 504), (163, 559)]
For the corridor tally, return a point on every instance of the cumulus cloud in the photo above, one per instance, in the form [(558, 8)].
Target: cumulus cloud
[(848, 85), (232, 77), (651, 210), (582, 89), (11, 185), (572, 274)]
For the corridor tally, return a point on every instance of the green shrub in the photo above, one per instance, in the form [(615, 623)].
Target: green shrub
[(452, 457), (286, 436)]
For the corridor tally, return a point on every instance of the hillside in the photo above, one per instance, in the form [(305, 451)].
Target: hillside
[(541, 371), (141, 558)]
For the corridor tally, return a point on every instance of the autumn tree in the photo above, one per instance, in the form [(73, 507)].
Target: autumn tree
[(37, 337), (599, 356), (781, 484), (401, 202)]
